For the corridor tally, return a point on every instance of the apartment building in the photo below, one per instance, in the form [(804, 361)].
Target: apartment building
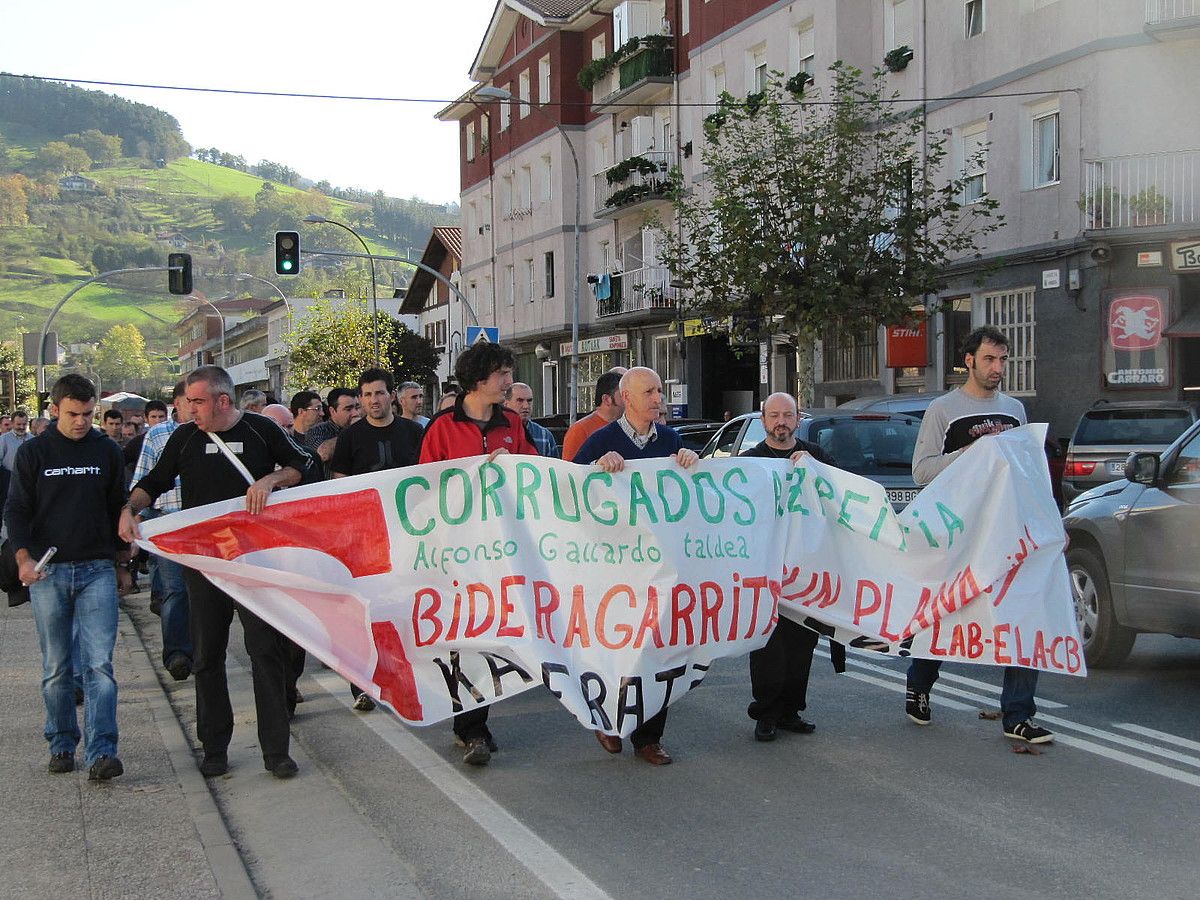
[(1092, 137), (441, 316)]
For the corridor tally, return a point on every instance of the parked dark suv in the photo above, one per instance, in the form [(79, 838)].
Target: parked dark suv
[(1134, 555), (1111, 430)]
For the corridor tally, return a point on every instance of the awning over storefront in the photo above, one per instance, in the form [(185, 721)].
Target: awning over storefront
[(1186, 326)]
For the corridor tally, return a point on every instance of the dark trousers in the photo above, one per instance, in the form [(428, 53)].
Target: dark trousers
[(212, 613), (471, 724), (1016, 695), (779, 672), (650, 731)]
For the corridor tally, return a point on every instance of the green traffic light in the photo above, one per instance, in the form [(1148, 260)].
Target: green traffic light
[(287, 265)]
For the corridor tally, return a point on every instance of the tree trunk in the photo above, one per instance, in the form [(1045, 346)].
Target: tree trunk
[(805, 371)]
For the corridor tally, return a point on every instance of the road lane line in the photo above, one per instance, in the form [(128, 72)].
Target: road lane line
[(944, 676), (542, 860), (1129, 759), (1159, 735), (899, 689), (1124, 741)]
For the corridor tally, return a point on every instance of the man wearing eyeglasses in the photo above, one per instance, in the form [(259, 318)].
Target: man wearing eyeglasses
[(307, 410)]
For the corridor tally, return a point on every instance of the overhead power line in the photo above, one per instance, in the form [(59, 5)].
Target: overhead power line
[(442, 101)]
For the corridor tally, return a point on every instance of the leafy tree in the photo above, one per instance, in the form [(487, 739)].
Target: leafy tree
[(26, 387), (412, 357), (103, 149), (14, 200), (122, 354), (830, 219), (59, 157), (125, 252), (233, 212)]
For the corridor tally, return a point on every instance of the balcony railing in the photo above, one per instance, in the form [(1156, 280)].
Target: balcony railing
[(638, 290), (636, 179), (637, 75), (1164, 12), (1141, 191)]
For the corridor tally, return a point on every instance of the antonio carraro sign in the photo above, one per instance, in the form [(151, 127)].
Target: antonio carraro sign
[(444, 587)]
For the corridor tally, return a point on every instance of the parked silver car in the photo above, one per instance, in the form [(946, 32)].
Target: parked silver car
[(1134, 553), (908, 404), (875, 445), (1110, 430)]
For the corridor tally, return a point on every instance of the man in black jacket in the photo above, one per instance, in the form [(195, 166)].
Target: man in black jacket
[(67, 488), (207, 475), (779, 671)]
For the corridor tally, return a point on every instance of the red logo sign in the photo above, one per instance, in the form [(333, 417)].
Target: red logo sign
[(906, 344), (1135, 323)]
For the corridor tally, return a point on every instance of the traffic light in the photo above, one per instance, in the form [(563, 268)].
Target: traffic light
[(287, 253), (179, 278)]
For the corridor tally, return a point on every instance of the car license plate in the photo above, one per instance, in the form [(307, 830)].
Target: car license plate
[(1116, 468), (899, 495)]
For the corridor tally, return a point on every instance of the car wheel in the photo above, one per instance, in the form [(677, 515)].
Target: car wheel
[(1106, 642)]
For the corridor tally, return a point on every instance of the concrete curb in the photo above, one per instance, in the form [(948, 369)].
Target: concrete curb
[(225, 861)]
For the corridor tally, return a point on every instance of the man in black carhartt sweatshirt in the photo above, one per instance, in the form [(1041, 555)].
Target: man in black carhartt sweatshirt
[(67, 490)]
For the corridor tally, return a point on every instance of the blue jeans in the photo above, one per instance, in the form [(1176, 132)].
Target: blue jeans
[(166, 580), (1016, 696), (82, 592)]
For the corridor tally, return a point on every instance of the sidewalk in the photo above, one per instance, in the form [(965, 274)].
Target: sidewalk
[(153, 832)]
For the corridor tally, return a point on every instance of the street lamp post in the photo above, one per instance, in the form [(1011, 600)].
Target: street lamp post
[(321, 220), (244, 276), (499, 95)]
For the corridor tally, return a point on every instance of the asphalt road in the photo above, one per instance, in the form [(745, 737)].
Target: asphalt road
[(868, 805)]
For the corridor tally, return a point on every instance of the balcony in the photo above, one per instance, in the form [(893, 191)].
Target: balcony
[(1158, 189), (1172, 20), (642, 291), (633, 183), (637, 77)]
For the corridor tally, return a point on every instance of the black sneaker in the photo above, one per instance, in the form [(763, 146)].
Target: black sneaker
[(214, 764), (104, 768), (491, 743), (363, 703), (916, 707), (764, 730), (179, 666), (1030, 733), (61, 763), (797, 725), (477, 753), (283, 767)]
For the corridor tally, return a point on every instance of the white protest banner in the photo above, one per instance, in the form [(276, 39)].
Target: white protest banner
[(444, 587)]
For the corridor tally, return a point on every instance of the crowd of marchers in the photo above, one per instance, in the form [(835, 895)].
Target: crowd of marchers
[(76, 494)]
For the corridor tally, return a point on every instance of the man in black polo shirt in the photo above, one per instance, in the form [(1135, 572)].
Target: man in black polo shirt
[(207, 475), (380, 440), (779, 671)]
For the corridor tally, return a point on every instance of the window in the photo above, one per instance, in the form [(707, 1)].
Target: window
[(974, 17), (803, 50), (527, 285), (1186, 468), (898, 23), (716, 83), (598, 47), (850, 354), (506, 196), (525, 188), (470, 140), (548, 259), (505, 109), (474, 226), (1012, 312), (603, 155), (510, 285), (1045, 149), (544, 79), (665, 359), (956, 325), (756, 69), (591, 367), (974, 150), (485, 132), (547, 192), (523, 92)]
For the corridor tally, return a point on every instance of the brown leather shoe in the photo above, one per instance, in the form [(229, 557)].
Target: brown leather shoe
[(654, 754), (609, 742)]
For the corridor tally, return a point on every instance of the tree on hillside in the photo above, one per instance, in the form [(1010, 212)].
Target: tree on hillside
[(334, 342), (126, 251), (122, 354), (14, 200), (103, 149), (59, 158), (817, 216), (234, 212)]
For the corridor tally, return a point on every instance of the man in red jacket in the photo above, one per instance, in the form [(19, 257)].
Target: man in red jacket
[(477, 424)]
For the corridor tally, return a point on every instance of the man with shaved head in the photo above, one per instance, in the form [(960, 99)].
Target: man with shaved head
[(779, 671), (519, 398), (636, 435)]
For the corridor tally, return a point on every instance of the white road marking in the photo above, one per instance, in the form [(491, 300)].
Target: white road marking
[(542, 860), (1070, 740), (1159, 735)]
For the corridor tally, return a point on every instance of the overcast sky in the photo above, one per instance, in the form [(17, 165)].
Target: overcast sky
[(405, 48)]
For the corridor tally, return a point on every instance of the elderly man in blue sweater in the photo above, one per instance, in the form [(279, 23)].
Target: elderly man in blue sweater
[(636, 435)]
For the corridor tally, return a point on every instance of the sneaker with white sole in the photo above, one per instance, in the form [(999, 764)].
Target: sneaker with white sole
[(916, 707), (363, 703), (1029, 732)]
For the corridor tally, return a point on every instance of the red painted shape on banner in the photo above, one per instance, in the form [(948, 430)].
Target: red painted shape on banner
[(394, 673), (349, 527)]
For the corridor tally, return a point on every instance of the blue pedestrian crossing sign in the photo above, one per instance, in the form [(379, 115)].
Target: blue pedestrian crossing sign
[(479, 334)]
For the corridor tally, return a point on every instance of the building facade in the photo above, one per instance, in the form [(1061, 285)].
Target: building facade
[(1092, 149), (441, 316)]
